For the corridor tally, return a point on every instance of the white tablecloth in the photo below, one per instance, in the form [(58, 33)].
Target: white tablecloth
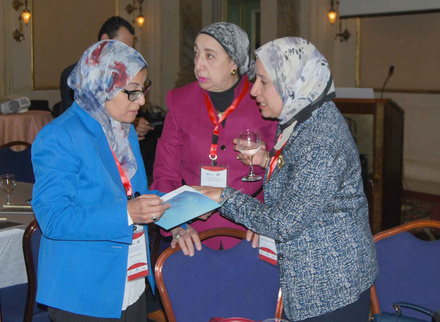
[(12, 268)]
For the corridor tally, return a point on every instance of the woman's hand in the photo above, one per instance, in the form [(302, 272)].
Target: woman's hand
[(211, 192), (185, 238), (260, 159), (146, 209), (142, 127), (254, 237), (205, 216)]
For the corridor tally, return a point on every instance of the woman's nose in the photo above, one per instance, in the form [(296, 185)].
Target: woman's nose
[(254, 89), (198, 63), (141, 99)]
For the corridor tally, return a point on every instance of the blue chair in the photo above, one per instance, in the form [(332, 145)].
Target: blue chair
[(218, 283), (409, 269), (18, 301), (13, 299), (18, 163), (31, 248)]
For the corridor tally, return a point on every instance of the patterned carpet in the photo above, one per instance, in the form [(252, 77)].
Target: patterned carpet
[(418, 206), (416, 209)]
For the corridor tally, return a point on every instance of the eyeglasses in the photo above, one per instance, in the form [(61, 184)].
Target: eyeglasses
[(135, 95)]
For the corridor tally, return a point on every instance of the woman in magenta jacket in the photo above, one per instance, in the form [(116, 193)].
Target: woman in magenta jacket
[(220, 96)]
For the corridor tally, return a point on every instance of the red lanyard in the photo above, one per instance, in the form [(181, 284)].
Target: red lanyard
[(212, 116), (125, 181), (274, 159)]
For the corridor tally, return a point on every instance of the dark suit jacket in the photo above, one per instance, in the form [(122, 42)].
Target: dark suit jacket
[(66, 92)]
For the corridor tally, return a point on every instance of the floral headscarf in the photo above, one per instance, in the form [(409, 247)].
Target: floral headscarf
[(235, 41), (103, 71), (301, 76)]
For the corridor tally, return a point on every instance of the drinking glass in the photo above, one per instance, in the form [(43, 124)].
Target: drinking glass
[(249, 143), (7, 184)]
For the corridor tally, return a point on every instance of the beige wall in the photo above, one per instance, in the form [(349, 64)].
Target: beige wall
[(159, 41), (421, 146), (15, 68)]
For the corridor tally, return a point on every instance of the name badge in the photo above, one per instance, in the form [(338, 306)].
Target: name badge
[(137, 255), (268, 250), (214, 176)]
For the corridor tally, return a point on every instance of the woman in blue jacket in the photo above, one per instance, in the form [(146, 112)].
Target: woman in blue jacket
[(90, 196), (315, 207)]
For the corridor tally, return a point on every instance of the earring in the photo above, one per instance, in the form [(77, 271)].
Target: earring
[(233, 72)]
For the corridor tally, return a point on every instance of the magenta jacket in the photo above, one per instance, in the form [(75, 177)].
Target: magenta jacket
[(186, 142)]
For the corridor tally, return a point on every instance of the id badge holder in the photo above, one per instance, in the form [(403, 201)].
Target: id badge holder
[(268, 250), (137, 255), (214, 176)]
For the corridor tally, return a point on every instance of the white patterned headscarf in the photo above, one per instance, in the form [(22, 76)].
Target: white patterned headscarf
[(301, 76), (103, 71), (235, 41)]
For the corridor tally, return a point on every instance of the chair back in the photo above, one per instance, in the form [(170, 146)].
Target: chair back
[(409, 269), (218, 283), (31, 248), (40, 105), (17, 162)]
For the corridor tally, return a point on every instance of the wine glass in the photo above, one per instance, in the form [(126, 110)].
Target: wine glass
[(7, 184), (249, 143)]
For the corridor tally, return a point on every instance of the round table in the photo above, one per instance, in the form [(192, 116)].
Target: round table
[(22, 126), (11, 251)]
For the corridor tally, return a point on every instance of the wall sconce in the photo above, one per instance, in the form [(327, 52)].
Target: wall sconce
[(130, 8), (24, 16), (332, 13), (332, 17)]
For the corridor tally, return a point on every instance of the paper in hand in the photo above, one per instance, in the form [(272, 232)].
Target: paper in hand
[(186, 204)]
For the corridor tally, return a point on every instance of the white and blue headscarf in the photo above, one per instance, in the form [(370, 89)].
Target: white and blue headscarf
[(301, 76), (103, 71)]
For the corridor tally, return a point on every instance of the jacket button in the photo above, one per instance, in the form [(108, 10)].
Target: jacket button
[(280, 256), (222, 148)]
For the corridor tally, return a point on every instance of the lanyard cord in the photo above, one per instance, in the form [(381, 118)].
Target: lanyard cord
[(125, 181), (212, 117), (274, 159)]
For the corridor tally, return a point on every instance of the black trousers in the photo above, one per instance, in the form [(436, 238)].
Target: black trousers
[(355, 312), (137, 312)]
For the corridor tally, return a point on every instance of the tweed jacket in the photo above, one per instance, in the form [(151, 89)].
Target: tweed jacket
[(186, 141), (317, 212)]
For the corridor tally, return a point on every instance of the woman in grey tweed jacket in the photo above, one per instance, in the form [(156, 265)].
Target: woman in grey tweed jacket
[(315, 208)]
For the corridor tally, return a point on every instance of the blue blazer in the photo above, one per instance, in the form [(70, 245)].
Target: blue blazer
[(81, 206)]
